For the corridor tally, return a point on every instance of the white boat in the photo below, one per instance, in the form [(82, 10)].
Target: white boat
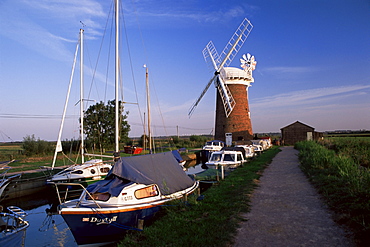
[(5, 181), (261, 144), (12, 227), (249, 152), (213, 145), (258, 149), (225, 159), (134, 190), (88, 171)]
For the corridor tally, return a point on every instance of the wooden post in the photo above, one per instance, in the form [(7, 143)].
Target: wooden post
[(140, 224)]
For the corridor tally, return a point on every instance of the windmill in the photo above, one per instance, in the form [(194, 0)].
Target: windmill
[(232, 110)]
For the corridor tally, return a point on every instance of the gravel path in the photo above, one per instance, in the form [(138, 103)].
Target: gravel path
[(287, 211)]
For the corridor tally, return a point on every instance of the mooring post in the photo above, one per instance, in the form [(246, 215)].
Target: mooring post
[(140, 224)]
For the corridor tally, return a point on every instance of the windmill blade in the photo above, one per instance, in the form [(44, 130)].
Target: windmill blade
[(235, 43), (192, 108), (227, 99), (211, 56), (249, 56)]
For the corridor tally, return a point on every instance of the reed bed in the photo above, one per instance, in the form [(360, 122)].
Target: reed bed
[(343, 179)]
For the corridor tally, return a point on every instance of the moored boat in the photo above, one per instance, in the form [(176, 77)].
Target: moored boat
[(225, 159), (5, 181), (214, 145), (88, 172), (134, 190), (249, 152), (209, 148), (12, 227)]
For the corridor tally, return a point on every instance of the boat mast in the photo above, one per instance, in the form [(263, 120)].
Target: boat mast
[(59, 143), (148, 107), (81, 96), (117, 76)]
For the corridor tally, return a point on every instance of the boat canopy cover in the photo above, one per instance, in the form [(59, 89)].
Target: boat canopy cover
[(161, 169), (177, 156)]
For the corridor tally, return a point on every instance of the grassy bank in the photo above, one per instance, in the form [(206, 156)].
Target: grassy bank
[(212, 221), (343, 182)]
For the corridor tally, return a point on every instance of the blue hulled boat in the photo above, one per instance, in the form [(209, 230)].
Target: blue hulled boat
[(134, 190)]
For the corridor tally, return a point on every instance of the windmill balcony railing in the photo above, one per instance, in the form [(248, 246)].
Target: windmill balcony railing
[(234, 75)]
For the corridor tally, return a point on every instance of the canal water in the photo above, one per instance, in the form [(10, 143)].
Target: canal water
[(45, 230)]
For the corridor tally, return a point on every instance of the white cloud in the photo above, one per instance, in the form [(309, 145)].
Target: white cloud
[(290, 69), (304, 97)]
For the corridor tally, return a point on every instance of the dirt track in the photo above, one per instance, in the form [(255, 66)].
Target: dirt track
[(287, 211)]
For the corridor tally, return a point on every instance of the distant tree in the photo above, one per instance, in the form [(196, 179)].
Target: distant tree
[(31, 146), (196, 138), (175, 139), (99, 125), (143, 139)]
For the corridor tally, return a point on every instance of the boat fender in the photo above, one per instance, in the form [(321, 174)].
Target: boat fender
[(200, 198)]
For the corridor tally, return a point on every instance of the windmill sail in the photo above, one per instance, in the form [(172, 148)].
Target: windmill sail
[(219, 61), (225, 94), (192, 108), (235, 43)]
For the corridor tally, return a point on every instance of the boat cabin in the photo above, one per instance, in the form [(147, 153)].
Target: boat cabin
[(225, 158), (214, 145)]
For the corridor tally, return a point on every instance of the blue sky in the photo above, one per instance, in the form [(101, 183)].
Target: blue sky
[(313, 62)]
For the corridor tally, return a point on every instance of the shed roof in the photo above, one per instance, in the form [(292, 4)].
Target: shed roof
[(297, 122)]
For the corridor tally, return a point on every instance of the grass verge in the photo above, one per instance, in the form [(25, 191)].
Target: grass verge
[(212, 221), (343, 184)]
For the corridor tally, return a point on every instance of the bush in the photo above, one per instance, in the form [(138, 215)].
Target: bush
[(31, 146)]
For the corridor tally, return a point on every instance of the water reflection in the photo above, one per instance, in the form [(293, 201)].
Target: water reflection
[(45, 229)]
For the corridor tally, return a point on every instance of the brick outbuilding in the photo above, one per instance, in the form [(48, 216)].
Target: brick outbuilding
[(298, 131)]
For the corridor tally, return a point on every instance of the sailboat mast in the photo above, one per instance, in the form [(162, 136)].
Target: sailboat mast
[(59, 142), (148, 107), (117, 76), (82, 95)]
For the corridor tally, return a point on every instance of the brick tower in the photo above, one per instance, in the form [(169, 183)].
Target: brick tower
[(238, 122)]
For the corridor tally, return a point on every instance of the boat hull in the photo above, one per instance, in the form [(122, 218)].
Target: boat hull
[(13, 239), (105, 226)]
